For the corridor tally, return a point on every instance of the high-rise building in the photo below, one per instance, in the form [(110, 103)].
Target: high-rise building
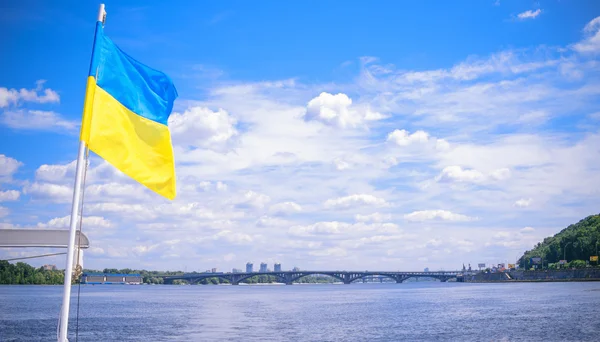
[(296, 269), (249, 267), (263, 267), (214, 270), (426, 269), (277, 267), (236, 270)]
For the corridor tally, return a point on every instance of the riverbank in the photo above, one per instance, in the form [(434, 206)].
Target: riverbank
[(536, 281), (588, 274)]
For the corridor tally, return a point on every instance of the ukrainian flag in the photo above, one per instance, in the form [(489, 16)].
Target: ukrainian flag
[(127, 106)]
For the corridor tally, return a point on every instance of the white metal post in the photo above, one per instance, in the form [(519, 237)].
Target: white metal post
[(75, 209), (64, 314)]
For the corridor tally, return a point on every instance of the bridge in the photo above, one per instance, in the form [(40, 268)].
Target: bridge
[(289, 277)]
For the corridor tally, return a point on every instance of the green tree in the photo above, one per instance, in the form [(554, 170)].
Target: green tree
[(576, 242), (577, 264)]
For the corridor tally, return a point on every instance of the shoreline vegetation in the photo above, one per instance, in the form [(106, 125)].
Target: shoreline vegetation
[(576, 245)]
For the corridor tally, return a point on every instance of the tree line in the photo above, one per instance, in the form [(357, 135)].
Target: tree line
[(575, 244), (25, 274)]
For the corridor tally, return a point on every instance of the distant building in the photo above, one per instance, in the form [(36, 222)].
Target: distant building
[(49, 267), (426, 269), (277, 267), (263, 267), (214, 270), (236, 270), (249, 267), (110, 278), (296, 269)]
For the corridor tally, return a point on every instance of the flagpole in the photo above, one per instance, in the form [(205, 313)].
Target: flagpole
[(75, 209)]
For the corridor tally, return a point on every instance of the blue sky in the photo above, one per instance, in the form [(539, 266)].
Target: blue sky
[(339, 134)]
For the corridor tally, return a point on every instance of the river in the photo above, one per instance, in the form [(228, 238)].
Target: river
[(418, 311)]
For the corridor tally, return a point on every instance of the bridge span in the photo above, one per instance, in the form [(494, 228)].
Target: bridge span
[(289, 277)]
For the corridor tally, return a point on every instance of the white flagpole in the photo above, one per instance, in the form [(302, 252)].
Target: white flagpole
[(75, 209)]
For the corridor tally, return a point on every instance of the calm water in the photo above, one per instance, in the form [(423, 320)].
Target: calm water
[(358, 312)]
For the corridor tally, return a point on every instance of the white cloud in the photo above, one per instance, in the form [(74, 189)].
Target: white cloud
[(221, 186), (434, 242), (255, 199), (502, 235), (9, 195), (52, 192), (233, 237), (114, 190), (458, 174), (140, 250), (267, 221), (591, 41), (4, 211), (126, 210), (533, 117), (301, 244), (445, 215), (500, 174), (54, 173), (341, 164), (333, 227), (88, 222), (13, 96), (37, 120), (523, 202), (529, 14), (189, 186), (94, 251), (285, 208), (329, 252), (354, 200), (8, 166), (403, 138), (442, 145), (201, 127), (327, 228), (371, 240), (8, 96), (527, 230), (337, 110), (374, 217)]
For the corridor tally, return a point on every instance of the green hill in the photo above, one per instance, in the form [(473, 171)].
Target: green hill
[(580, 240)]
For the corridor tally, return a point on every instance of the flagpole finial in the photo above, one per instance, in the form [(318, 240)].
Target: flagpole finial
[(101, 14)]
